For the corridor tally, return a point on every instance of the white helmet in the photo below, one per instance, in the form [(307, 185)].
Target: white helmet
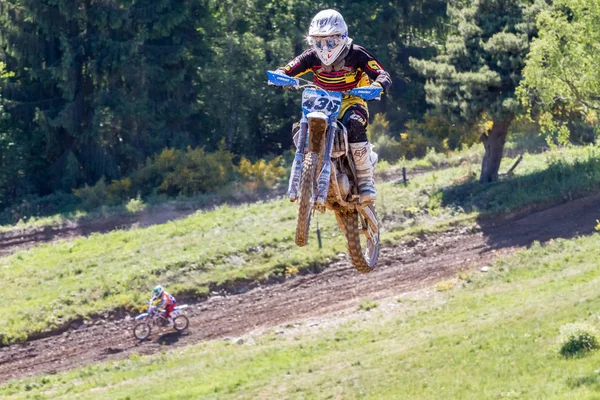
[(328, 35)]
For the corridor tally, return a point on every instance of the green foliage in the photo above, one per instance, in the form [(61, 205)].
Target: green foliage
[(119, 190), (199, 172), (380, 126), (434, 134), (368, 305), (92, 196), (94, 91), (488, 338), (88, 277), (134, 206), (562, 64), (561, 80), (261, 174), (569, 175), (577, 340), (477, 76)]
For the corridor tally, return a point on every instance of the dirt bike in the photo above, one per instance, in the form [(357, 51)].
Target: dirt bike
[(156, 317), (323, 175)]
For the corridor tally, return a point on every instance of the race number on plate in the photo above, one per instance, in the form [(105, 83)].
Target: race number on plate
[(319, 100)]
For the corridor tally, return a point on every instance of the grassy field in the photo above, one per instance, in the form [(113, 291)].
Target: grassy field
[(50, 285), (492, 336)]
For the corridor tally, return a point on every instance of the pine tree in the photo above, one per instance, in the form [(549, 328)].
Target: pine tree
[(476, 77), (101, 85)]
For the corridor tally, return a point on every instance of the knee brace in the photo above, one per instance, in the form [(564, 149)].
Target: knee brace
[(356, 123)]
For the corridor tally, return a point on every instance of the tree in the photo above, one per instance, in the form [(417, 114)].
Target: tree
[(562, 68), (98, 86), (477, 75)]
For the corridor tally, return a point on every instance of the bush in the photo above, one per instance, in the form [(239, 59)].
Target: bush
[(577, 340), (261, 174), (172, 172), (378, 128), (200, 172), (388, 149), (34, 206), (445, 134), (368, 305), (134, 206), (119, 191), (92, 196)]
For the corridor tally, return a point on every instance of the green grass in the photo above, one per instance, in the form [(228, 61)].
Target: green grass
[(492, 337), (36, 213), (50, 285)]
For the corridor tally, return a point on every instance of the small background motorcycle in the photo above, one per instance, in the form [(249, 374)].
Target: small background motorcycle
[(323, 173), (155, 317)]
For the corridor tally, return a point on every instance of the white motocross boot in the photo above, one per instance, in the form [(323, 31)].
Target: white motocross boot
[(364, 160)]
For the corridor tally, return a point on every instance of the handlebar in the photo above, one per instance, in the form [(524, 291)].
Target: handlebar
[(278, 79)]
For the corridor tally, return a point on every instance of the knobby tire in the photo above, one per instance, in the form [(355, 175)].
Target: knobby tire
[(363, 261), (143, 335), (305, 202), (181, 323)]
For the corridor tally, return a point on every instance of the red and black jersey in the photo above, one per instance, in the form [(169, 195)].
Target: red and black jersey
[(351, 71)]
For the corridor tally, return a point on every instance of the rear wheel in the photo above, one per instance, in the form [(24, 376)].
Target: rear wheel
[(142, 330), (362, 238), (305, 202), (181, 323)]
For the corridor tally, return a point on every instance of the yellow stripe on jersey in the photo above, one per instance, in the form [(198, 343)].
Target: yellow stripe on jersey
[(336, 79), (302, 73)]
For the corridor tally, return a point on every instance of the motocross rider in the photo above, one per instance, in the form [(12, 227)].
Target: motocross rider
[(339, 65), (167, 302)]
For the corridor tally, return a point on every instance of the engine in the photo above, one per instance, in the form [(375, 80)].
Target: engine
[(344, 184)]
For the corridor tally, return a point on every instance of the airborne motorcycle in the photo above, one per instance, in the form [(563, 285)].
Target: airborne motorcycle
[(323, 173)]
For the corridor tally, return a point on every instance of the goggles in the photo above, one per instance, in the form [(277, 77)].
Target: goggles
[(326, 42)]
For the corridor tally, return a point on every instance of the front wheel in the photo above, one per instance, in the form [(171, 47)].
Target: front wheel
[(181, 323), (305, 203), (142, 330), (361, 234)]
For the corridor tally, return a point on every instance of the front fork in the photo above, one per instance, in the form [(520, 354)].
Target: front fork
[(297, 164), (315, 144), (325, 175)]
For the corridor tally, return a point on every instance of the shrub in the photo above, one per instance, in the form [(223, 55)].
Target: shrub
[(34, 206), (416, 142), (378, 128), (577, 340), (446, 134), (261, 174), (200, 172), (134, 206), (368, 305), (388, 149), (92, 196), (119, 190)]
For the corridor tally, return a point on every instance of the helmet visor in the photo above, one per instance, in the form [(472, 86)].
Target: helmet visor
[(326, 42)]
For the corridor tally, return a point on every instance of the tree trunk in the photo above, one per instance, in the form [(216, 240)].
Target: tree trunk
[(494, 149)]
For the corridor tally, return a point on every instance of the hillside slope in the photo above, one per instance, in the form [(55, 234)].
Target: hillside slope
[(405, 267)]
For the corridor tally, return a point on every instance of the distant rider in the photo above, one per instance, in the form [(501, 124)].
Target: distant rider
[(167, 302), (339, 65)]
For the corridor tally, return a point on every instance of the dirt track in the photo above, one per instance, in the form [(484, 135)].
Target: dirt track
[(403, 268)]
